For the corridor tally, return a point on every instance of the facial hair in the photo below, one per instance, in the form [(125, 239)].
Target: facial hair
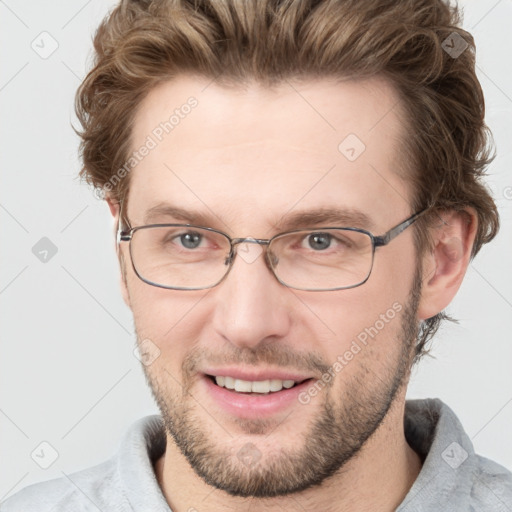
[(336, 434)]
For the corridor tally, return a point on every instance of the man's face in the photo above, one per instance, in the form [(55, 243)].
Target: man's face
[(246, 160)]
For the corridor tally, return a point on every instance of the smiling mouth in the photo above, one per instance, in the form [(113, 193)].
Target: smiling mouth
[(260, 387)]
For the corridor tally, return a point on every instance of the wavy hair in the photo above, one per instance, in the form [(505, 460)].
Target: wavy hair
[(447, 146)]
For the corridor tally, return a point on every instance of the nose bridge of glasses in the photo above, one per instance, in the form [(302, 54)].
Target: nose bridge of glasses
[(249, 248)]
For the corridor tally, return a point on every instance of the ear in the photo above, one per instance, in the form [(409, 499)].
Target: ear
[(445, 265), (114, 210)]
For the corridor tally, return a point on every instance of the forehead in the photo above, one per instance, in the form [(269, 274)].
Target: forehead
[(237, 153)]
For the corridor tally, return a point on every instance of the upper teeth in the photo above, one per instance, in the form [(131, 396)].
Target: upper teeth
[(253, 386)]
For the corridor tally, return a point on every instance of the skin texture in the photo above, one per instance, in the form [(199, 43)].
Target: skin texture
[(245, 157)]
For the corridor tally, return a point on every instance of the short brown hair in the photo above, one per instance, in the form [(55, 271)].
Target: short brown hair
[(447, 148)]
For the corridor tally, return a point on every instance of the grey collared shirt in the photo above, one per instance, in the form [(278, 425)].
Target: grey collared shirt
[(453, 478)]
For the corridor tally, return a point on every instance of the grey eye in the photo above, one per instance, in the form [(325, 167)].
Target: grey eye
[(191, 240), (319, 241)]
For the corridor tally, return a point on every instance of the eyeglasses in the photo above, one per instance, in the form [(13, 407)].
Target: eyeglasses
[(188, 257)]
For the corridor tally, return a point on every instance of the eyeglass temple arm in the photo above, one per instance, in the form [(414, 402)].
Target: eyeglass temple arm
[(394, 232)]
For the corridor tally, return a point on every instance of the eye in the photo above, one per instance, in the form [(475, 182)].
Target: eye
[(191, 240), (319, 241)]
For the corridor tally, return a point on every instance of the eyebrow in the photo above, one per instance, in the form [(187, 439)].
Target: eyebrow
[(336, 217), (180, 214)]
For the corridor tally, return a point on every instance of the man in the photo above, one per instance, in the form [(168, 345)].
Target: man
[(297, 191)]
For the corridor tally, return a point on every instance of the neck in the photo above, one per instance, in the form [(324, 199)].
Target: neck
[(378, 477)]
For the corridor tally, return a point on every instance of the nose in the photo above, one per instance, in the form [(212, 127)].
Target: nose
[(251, 305)]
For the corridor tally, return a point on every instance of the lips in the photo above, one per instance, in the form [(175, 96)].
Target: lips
[(254, 393)]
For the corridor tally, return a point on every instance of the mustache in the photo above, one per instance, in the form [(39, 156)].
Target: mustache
[(272, 354)]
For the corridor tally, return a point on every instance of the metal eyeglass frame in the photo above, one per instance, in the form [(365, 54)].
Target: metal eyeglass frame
[(377, 241)]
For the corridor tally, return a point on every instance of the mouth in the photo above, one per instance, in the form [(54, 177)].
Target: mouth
[(255, 393), (254, 387)]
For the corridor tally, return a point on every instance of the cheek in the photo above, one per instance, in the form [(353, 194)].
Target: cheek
[(171, 319), (349, 315), (364, 323)]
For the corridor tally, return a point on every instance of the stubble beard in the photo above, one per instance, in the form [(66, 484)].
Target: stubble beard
[(335, 435)]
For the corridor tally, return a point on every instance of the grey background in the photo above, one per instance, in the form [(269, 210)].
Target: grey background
[(68, 375)]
